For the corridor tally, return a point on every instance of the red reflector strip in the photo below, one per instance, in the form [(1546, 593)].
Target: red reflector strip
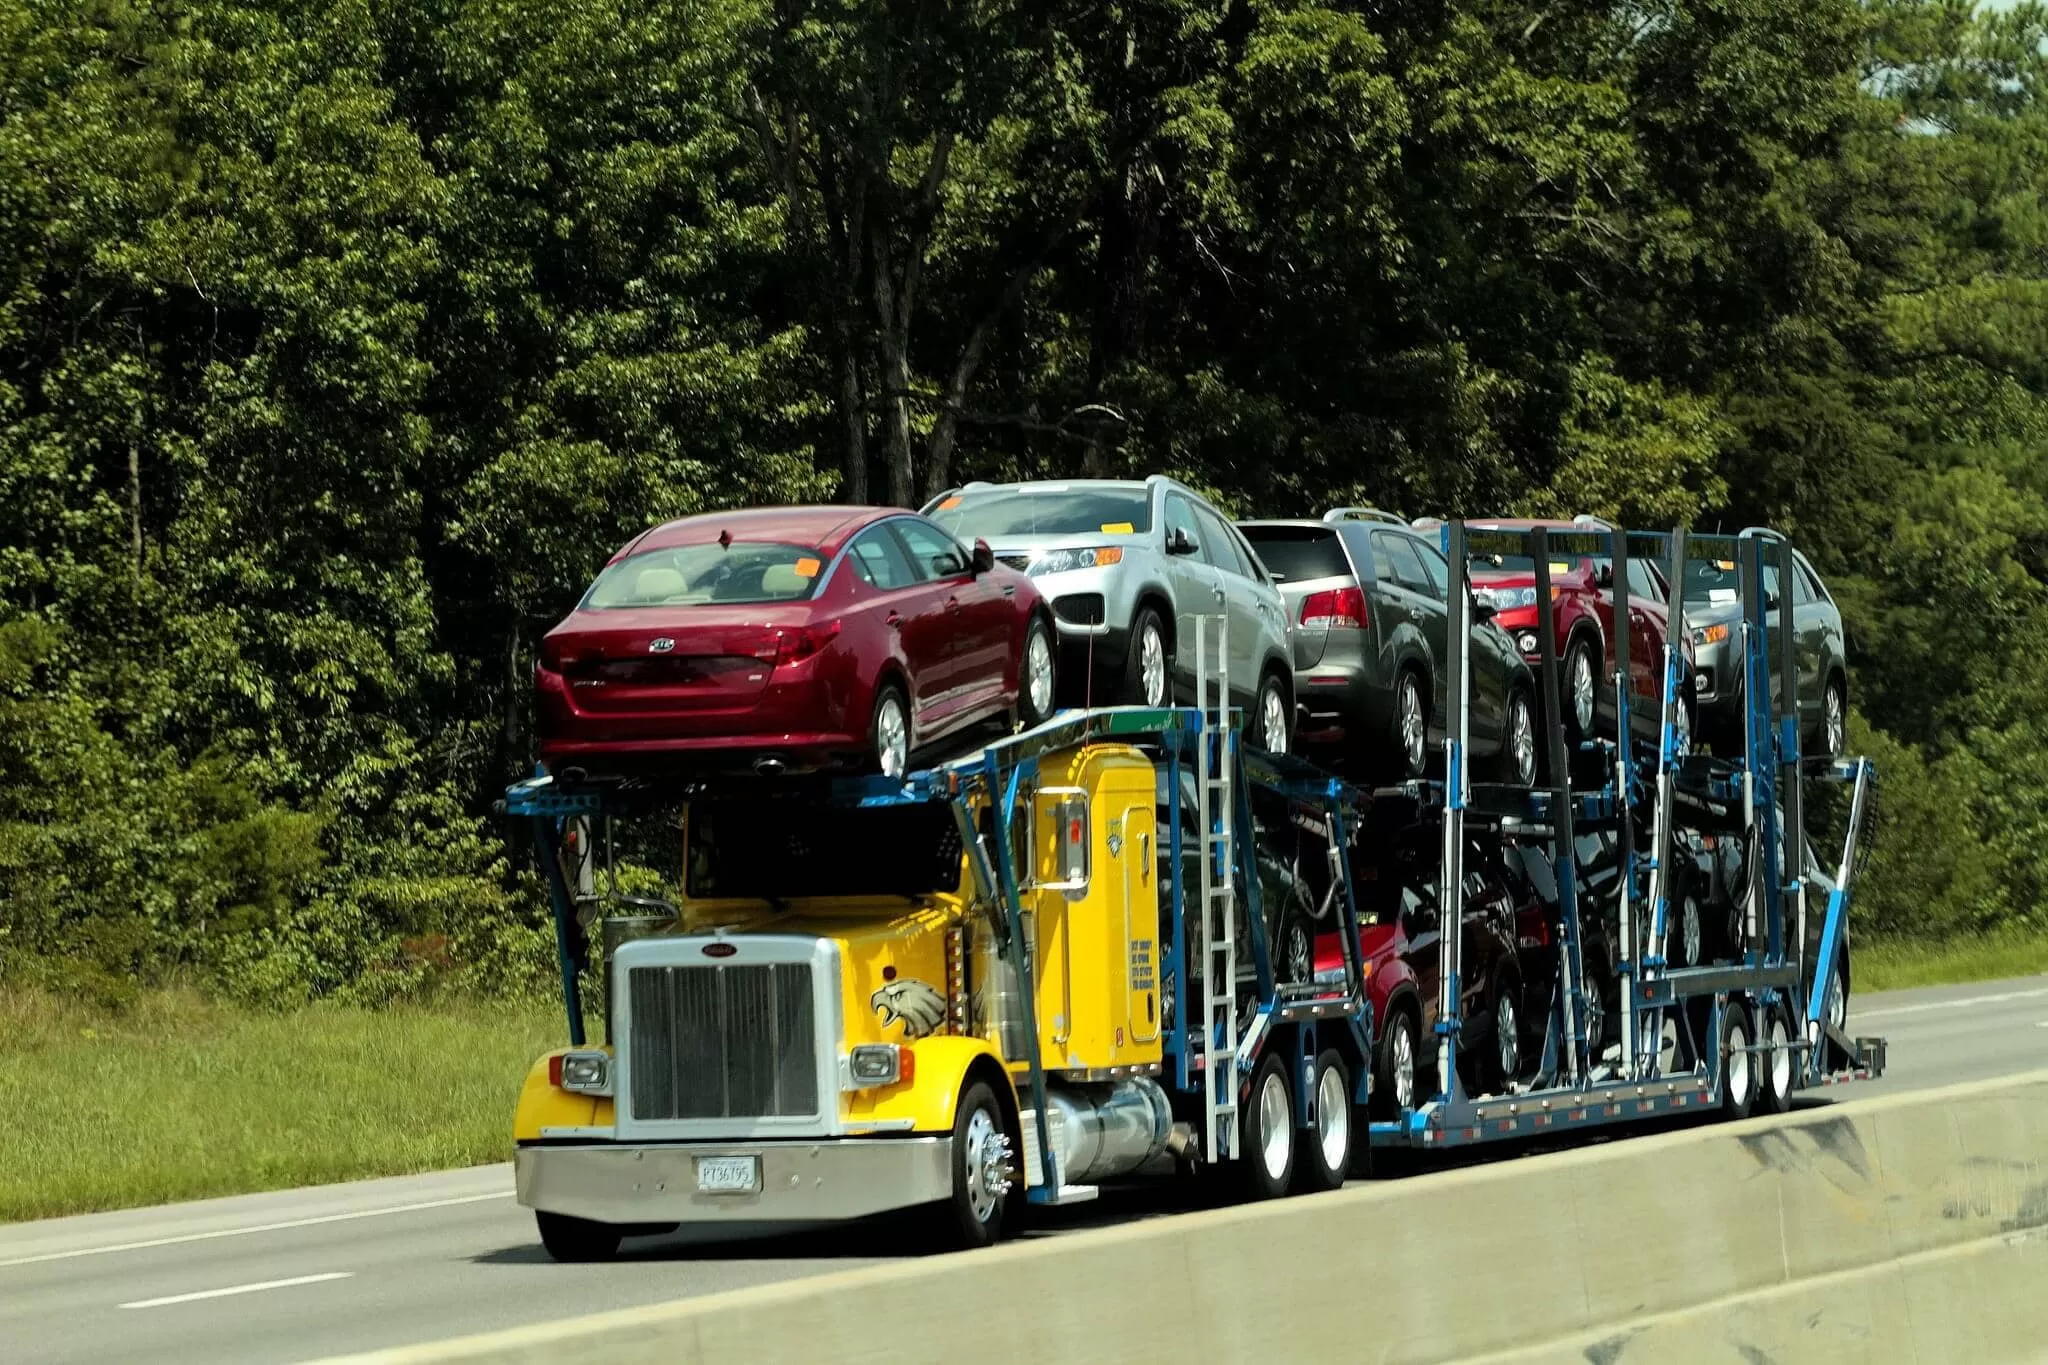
[(906, 1065), (555, 1071)]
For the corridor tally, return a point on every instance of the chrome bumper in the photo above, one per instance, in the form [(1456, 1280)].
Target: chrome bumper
[(803, 1181)]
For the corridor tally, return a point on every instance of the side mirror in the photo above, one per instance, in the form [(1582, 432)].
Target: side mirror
[(1179, 542), (984, 558), (1605, 578)]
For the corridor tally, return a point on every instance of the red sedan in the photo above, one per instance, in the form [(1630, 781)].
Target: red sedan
[(789, 639)]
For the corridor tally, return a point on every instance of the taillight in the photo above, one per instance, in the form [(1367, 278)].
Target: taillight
[(1334, 607), (798, 643)]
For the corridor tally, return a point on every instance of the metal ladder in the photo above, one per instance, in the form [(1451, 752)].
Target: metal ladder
[(1213, 806)]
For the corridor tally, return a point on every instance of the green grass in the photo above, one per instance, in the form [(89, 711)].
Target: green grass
[(1900, 964), (178, 1098)]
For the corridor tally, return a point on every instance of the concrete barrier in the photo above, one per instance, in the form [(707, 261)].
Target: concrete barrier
[(1896, 1228)]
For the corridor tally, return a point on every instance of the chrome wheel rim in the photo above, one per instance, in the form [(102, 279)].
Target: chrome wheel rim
[(1667, 1047), (1404, 1065), (1582, 689), (1300, 960), (1689, 930), (892, 737), (1273, 716), (1276, 1134), (1834, 722), (1738, 1063), (1681, 725), (1522, 741), (1837, 1006), (986, 1157), (1412, 738), (1780, 1055), (1333, 1120), (1152, 666), (1038, 672), (1510, 1039)]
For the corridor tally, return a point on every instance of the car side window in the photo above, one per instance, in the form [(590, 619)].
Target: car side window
[(936, 554), (1406, 565), (879, 559), (1180, 516), (1216, 541), (1383, 559), (1805, 587), (1643, 583), (1435, 566)]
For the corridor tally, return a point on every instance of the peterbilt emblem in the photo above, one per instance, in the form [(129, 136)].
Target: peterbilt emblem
[(660, 645), (919, 1005)]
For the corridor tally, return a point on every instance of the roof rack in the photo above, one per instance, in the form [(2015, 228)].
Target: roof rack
[(1363, 514)]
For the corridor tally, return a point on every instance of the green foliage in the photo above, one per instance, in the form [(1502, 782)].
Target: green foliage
[(340, 343)]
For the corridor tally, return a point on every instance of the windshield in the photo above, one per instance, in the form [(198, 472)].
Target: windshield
[(1484, 563), (1294, 554), (1057, 512), (786, 849), (1714, 582), (690, 575)]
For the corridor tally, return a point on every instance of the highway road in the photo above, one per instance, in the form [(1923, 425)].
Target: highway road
[(300, 1274)]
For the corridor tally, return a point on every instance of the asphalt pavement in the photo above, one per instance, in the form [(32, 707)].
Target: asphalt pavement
[(301, 1274)]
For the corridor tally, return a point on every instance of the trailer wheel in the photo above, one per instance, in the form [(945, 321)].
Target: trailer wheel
[(1774, 1093), (577, 1239), (982, 1191), (1738, 1065), (1265, 1150), (1322, 1151)]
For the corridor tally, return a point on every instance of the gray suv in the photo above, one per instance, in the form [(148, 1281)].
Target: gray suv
[(1713, 613), (1369, 598), (1127, 565)]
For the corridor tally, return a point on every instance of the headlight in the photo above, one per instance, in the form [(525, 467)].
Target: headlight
[(1710, 635), (584, 1073), (1507, 599), (1066, 561), (877, 1064)]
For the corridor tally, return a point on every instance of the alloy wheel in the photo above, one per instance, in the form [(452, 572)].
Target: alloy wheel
[(1276, 1136), (1152, 665), (1404, 1065), (892, 737), (1298, 954), (1273, 720), (1582, 689), (1522, 741), (1691, 933), (1333, 1119), (1038, 673), (1507, 1028), (1836, 726), (1413, 735)]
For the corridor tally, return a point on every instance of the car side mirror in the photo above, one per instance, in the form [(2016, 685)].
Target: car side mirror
[(1605, 578), (984, 558), (1179, 542)]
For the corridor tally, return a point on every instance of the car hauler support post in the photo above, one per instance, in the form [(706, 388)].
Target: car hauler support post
[(1627, 967), (1759, 770), (547, 842), (1832, 930), (1571, 975), (1661, 833), (1791, 773), (1457, 792), (1002, 794)]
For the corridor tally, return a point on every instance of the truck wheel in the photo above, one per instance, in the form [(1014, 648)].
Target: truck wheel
[(982, 1189), (577, 1239), (1395, 1066), (1322, 1151), (1265, 1146), (1775, 1072), (1738, 1067)]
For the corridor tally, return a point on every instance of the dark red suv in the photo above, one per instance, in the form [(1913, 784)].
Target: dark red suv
[(789, 639), (1582, 611)]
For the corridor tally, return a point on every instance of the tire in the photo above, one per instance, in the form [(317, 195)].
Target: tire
[(1293, 946), (1738, 1068), (1323, 1150), (1501, 1062), (1581, 699), (1688, 936), (1148, 668), (1397, 1065), (980, 1207), (1266, 1132), (1516, 763), (1777, 1073), (1037, 675), (1832, 736), (889, 732), (1408, 741), (1273, 719), (573, 1240)]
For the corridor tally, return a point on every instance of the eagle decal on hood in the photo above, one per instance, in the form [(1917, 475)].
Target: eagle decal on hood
[(919, 1005)]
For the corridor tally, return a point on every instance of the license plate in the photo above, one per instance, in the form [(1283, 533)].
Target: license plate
[(728, 1174)]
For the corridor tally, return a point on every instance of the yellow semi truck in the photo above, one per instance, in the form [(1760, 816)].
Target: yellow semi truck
[(993, 984)]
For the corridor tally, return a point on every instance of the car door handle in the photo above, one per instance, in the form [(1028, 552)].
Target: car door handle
[(894, 619), (952, 604)]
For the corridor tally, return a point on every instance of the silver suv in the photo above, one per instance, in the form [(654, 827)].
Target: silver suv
[(1127, 565)]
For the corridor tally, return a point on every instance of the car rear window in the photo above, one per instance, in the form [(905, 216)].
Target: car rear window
[(693, 575), (1294, 554), (1057, 512), (1485, 563)]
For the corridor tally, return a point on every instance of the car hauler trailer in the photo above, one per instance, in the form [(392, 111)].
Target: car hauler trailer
[(991, 984), (1638, 1036)]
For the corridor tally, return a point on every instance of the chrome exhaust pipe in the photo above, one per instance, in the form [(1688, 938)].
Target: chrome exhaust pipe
[(769, 766)]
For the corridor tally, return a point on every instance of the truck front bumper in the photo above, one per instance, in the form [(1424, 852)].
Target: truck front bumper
[(810, 1180)]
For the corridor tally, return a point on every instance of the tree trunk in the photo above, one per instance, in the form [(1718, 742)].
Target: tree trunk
[(852, 415), (135, 506)]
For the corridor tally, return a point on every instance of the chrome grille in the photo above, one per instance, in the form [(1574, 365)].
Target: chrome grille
[(726, 1041)]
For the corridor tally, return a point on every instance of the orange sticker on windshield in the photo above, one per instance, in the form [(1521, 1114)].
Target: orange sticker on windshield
[(950, 503), (1118, 528), (808, 568)]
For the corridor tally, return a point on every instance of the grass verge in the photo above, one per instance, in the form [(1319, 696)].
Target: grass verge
[(178, 1098), (1900, 964)]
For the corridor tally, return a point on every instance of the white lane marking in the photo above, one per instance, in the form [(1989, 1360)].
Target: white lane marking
[(259, 1227), (2000, 998), (239, 1289)]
